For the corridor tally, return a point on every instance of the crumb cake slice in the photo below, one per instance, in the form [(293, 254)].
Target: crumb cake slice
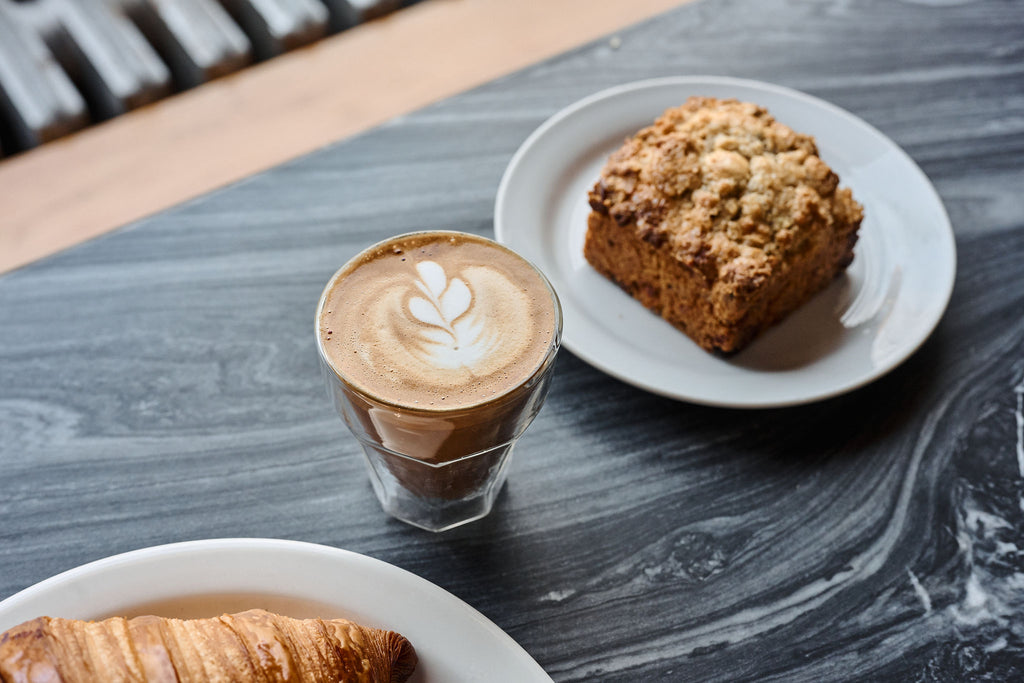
[(721, 220)]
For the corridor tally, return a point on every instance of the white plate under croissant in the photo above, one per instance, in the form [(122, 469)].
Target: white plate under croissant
[(197, 579)]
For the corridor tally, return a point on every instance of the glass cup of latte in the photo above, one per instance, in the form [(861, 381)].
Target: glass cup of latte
[(438, 348)]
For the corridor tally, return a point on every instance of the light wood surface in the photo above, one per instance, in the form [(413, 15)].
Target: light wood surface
[(132, 166)]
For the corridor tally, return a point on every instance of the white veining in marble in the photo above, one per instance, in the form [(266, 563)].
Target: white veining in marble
[(991, 607), (1019, 416), (922, 593)]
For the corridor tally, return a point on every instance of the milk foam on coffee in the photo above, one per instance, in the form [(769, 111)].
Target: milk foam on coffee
[(437, 321)]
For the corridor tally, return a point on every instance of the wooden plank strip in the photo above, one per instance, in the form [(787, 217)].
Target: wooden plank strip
[(81, 186)]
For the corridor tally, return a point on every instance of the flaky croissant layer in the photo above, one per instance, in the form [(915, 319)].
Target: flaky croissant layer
[(254, 646)]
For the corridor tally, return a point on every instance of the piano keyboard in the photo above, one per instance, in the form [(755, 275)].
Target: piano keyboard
[(65, 64)]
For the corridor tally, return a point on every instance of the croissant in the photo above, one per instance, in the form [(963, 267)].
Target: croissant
[(249, 646)]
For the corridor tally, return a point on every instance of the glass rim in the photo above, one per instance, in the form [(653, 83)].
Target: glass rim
[(542, 365)]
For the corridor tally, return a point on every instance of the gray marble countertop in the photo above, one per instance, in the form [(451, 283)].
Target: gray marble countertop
[(160, 384)]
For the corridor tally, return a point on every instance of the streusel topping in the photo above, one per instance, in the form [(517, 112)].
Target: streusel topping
[(730, 189)]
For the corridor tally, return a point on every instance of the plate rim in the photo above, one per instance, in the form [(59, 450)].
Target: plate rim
[(285, 551), (943, 229)]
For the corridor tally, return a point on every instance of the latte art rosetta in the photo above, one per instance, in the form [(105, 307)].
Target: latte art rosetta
[(437, 321), (452, 334)]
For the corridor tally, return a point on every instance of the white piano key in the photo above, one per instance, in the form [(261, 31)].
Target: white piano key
[(275, 26), (106, 55), (40, 101), (197, 38), (347, 13)]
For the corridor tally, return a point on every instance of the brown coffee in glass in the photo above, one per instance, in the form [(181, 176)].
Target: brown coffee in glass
[(437, 348)]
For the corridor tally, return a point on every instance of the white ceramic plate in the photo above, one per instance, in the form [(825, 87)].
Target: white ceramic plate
[(865, 324), (454, 642)]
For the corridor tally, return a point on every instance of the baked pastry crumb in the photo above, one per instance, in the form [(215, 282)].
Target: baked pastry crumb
[(721, 220)]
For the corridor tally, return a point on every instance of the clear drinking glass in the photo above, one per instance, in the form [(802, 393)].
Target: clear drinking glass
[(436, 468)]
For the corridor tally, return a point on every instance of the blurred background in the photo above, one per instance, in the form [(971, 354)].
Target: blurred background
[(111, 110), (65, 64)]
